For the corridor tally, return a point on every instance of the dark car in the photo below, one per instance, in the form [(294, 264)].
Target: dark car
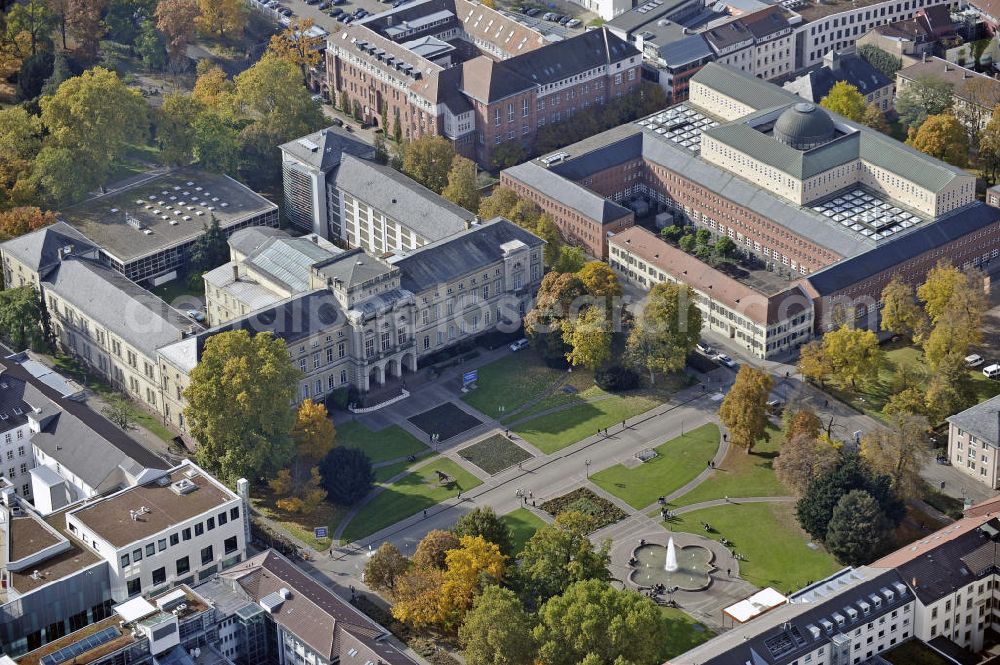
[(348, 18), (556, 18), (533, 11), (565, 19), (338, 122), (284, 11), (336, 11), (323, 5)]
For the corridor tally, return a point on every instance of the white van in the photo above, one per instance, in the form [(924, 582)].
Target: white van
[(975, 360), (992, 372)]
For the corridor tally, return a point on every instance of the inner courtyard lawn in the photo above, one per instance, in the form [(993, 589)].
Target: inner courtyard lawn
[(555, 431), (769, 536), (511, 382), (409, 495), (381, 446), (678, 461), (741, 474), (682, 634), (523, 523)]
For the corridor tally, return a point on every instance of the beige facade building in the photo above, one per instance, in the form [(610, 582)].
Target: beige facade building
[(974, 442)]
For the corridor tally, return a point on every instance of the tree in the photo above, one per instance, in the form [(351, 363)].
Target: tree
[(119, 411), (724, 247), (314, 437), (925, 96), (462, 189), (744, 409), (60, 10), (298, 495), (210, 249), (547, 230), (845, 99), (508, 154), (216, 143), (687, 242), (397, 128), (35, 70), (238, 404), (899, 452), (804, 458), (666, 331), (33, 18), (484, 522), (221, 16), (385, 568), (816, 506), (151, 47), (212, 86), (433, 547), (347, 475), (18, 221), (956, 303), (175, 128), (428, 161), (298, 46), (468, 568), (19, 144), (96, 117), (54, 173), (63, 69), (554, 303), (417, 595), (497, 630), (989, 148), (950, 389), (600, 281), (909, 401), (857, 529), (15, 46), (901, 315), (499, 203), (979, 98), (937, 290), (21, 317), (176, 20), (802, 422), (559, 554), (588, 337), (881, 60), (853, 354), (83, 21), (875, 119), (381, 151), (944, 137), (594, 622), (571, 259)]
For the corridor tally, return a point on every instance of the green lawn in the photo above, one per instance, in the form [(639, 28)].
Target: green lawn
[(557, 430), (682, 634), (300, 526), (511, 382), (409, 495), (178, 288), (384, 473), (678, 462), (381, 446), (523, 523), (769, 536), (741, 474)]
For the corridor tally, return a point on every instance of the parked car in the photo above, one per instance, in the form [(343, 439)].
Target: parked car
[(324, 5), (336, 11), (519, 344), (974, 360), (992, 372), (775, 407), (725, 360), (548, 16), (285, 11), (565, 19), (338, 122), (196, 315), (703, 347), (532, 11), (557, 17), (311, 2), (943, 459), (575, 23)]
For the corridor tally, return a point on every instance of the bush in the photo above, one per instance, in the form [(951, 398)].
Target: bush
[(616, 379), (341, 398), (599, 510), (347, 475)]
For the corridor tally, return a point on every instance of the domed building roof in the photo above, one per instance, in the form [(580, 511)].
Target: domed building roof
[(804, 126)]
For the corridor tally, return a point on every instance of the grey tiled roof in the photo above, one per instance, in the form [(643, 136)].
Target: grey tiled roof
[(40, 249), (568, 193), (396, 196), (287, 261), (247, 240), (852, 69), (982, 420), (322, 150), (750, 90), (566, 58), (461, 254), (353, 267), (689, 49), (118, 304)]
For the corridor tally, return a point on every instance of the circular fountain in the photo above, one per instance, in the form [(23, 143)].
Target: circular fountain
[(688, 568)]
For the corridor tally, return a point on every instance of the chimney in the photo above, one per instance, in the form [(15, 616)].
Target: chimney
[(236, 273), (315, 239), (914, 583)]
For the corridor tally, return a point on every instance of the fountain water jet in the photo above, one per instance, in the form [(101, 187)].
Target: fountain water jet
[(671, 564)]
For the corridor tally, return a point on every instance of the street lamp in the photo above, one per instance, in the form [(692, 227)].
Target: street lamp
[(587, 464)]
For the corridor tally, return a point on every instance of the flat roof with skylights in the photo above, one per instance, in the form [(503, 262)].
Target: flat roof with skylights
[(867, 213), (681, 124)]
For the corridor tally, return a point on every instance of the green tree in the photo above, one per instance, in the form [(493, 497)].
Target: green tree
[(33, 74), (428, 161), (816, 506), (497, 630), (571, 259), (210, 250), (594, 622), (546, 229), (397, 129), (560, 554), (61, 71), (942, 281), (744, 409), (702, 237), (845, 99), (881, 60), (118, 410), (950, 389), (151, 47), (909, 401), (55, 174), (484, 522), (21, 317), (600, 281), (216, 143), (688, 242), (989, 148), (381, 151), (853, 354), (724, 247), (385, 568), (666, 331), (588, 337), (347, 475), (673, 233), (462, 188), (925, 96), (238, 404), (901, 315), (34, 18), (507, 154), (175, 133), (944, 137), (875, 119), (96, 117), (857, 529)]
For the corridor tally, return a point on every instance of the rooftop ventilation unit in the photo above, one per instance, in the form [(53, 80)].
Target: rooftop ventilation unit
[(183, 486), (147, 232)]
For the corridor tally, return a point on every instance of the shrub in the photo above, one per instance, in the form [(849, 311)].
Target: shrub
[(616, 378), (347, 475)]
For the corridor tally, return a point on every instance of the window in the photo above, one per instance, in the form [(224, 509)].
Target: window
[(223, 519), (206, 555), (186, 533), (150, 549), (161, 544), (174, 539), (134, 587), (230, 545), (183, 565), (125, 560), (137, 555), (199, 529), (234, 513), (211, 523), (159, 576)]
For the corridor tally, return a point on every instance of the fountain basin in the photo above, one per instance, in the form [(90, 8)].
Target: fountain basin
[(694, 567)]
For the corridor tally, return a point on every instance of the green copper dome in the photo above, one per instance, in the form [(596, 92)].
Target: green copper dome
[(804, 126)]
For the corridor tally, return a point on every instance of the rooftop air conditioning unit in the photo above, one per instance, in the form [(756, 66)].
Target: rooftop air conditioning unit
[(184, 486)]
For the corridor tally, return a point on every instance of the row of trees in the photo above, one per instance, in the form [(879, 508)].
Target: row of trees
[(551, 604), (699, 242)]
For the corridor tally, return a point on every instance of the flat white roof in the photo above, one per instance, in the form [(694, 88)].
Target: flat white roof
[(135, 609), (755, 605)]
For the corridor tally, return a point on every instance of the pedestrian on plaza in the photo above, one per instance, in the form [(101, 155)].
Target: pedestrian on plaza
[(623, 424), (425, 513), (531, 494), (729, 572), (725, 437)]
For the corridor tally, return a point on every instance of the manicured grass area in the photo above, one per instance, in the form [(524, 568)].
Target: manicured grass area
[(741, 474), (384, 473), (601, 511), (446, 421), (769, 536), (300, 526), (143, 418), (871, 399), (495, 454), (177, 291), (381, 446), (915, 652), (557, 430), (682, 634), (409, 495), (678, 462), (510, 382), (523, 523)]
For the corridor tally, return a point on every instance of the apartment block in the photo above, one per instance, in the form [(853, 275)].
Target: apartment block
[(974, 441)]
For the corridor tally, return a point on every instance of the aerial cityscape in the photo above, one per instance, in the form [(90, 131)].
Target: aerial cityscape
[(499, 332)]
